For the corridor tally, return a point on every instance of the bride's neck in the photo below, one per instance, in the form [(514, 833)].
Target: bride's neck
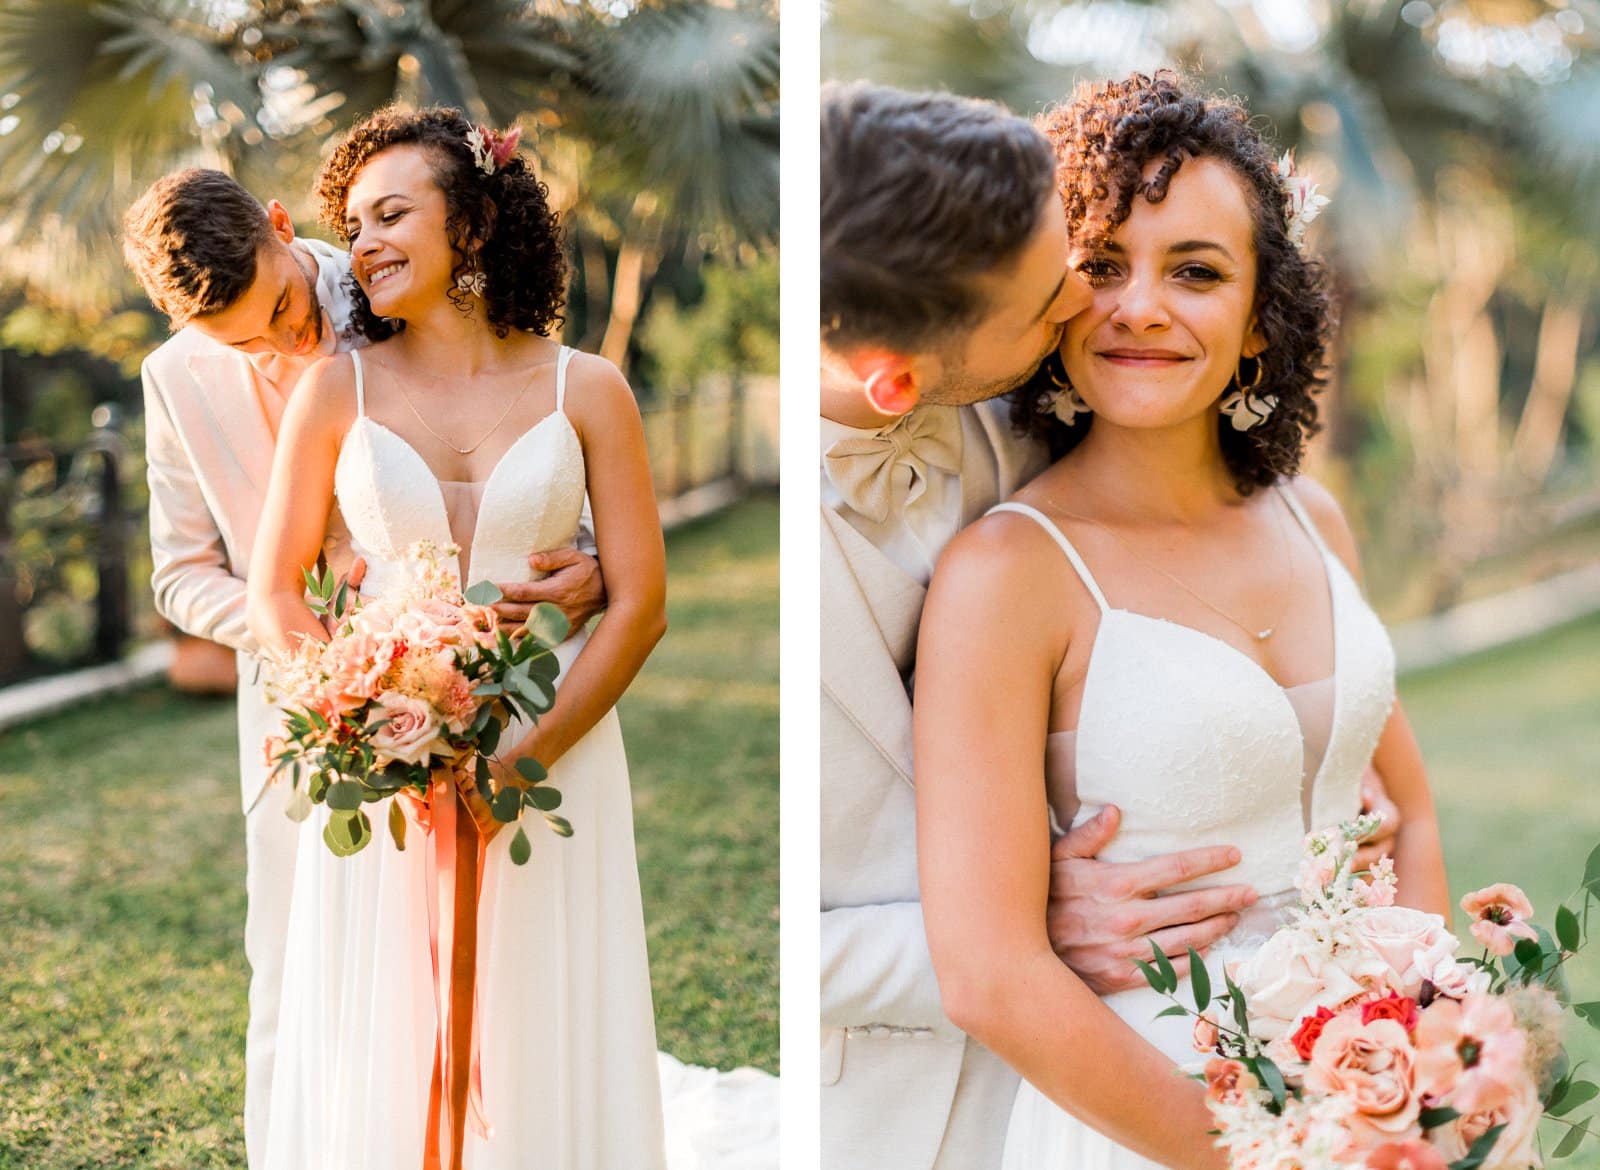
[(448, 342), (1176, 475)]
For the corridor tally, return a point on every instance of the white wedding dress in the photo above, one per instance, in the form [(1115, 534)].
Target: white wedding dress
[(1198, 745), (570, 1077)]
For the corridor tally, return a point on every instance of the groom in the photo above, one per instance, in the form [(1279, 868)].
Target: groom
[(253, 306), (944, 285)]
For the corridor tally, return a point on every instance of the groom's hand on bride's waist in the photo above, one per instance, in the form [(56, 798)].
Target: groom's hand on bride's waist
[(573, 585), (1102, 915)]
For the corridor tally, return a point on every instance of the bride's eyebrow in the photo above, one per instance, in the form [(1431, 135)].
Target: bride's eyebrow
[(375, 206), (1185, 246)]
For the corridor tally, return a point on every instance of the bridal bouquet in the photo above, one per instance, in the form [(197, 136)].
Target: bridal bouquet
[(1358, 1036), (412, 687)]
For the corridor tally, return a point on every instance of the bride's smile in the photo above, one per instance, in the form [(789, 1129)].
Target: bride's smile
[(399, 248)]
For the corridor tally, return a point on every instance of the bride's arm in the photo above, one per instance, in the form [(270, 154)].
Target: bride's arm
[(627, 529), (1418, 851), (294, 517), (994, 632)]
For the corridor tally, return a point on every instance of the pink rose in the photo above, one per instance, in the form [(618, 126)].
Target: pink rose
[(1499, 913), (1470, 1054), (1514, 1149), (1293, 975), (1205, 1034), (1372, 1067), (1411, 1154), (1228, 1082), (1408, 941), (412, 732)]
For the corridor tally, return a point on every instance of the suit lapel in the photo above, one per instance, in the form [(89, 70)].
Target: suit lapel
[(869, 637)]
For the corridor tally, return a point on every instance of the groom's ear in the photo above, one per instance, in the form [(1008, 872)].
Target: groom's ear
[(892, 380), (282, 225)]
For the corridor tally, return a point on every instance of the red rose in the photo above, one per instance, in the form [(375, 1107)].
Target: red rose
[(1305, 1036), (1402, 1009)]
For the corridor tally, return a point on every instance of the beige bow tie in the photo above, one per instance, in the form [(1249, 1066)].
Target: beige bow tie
[(888, 470)]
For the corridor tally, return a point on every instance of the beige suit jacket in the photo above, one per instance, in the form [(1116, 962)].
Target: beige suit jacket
[(209, 442), (902, 1087)]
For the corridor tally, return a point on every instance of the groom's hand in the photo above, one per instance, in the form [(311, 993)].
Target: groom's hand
[(574, 586), (1102, 915), (1375, 799)]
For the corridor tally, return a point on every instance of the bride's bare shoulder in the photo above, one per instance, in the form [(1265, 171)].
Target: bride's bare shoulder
[(324, 399), (1323, 509), (596, 389)]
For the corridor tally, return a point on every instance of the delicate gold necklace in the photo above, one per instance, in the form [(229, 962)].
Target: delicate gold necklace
[(1259, 635), (504, 414)]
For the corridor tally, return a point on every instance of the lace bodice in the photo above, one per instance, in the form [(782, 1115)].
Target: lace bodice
[(1198, 745), (390, 498)]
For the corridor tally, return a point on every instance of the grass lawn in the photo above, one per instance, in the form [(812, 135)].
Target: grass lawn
[(1512, 740), (122, 972)]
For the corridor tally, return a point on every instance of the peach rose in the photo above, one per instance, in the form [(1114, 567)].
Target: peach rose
[(1514, 1149), (1499, 916), (1205, 1034), (1371, 1066), (1228, 1082), (1469, 1054), (1412, 1154), (356, 663), (412, 733), (1292, 976), (1410, 942)]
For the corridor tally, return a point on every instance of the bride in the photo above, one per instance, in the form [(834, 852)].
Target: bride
[(464, 422), (1167, 619)]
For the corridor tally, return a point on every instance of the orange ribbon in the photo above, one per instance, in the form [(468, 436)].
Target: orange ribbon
[(455, 879)]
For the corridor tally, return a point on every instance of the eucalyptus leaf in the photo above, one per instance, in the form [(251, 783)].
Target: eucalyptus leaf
[(1588, 1012), (1567, 930), (543, 799), (548, 624), (562, 826), (532, 770), (1578, 1093), (484, 593), (1569, 1144), (506, 805), (344, 795), (521, 848), (347, 833), (489, 738), (397, 826), (1591, 872), (299, 806)]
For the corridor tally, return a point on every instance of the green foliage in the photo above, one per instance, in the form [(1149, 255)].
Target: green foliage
[(732, 328)]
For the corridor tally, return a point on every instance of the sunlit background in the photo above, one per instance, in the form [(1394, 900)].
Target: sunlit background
[(655, 124)]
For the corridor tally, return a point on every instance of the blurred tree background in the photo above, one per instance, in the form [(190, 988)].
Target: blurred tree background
[(655, 123), (1460, 141)]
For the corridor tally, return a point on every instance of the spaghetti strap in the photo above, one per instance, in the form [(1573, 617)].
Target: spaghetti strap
[(1299, 511), (561, 378), (1060, 538), (361, 389)]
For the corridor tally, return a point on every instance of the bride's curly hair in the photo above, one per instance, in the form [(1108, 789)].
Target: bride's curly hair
[(1104, 139), (502, 222)]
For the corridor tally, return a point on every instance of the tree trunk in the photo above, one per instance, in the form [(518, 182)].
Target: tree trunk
[(1555, 374), (636, 264), (596, 289)]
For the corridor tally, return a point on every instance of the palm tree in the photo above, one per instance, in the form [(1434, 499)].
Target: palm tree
[(673, 102)]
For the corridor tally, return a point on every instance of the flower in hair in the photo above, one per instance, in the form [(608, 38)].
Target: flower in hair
[(492, 149), (1304, 202)]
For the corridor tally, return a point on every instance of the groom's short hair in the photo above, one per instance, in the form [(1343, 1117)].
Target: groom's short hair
[(921, 192), (192, 241)]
